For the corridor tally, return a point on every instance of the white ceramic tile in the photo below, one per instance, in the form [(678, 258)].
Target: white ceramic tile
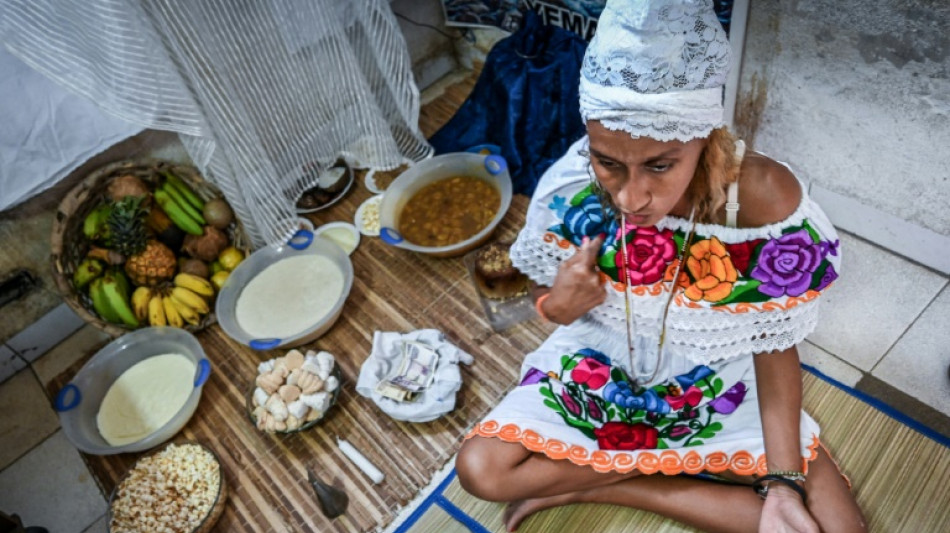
[(80, 343), (51, 487), (918, 363), (828, 364), (877, 297), (45, 333), (26, 417), (10, 363), (99, 526)]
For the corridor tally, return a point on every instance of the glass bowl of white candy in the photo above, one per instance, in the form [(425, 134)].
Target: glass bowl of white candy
[(293, 392)]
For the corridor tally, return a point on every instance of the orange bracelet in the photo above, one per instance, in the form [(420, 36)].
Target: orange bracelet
[(539, 302)]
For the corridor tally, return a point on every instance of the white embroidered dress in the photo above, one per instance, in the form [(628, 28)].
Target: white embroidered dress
[(742, 291)]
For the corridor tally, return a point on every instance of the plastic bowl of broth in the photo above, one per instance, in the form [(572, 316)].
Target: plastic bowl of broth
[(447, 205)]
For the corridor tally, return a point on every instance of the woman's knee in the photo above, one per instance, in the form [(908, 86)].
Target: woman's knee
[(479, 470)]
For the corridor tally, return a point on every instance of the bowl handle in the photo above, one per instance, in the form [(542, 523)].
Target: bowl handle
[(390, 236), (204, 370), (264, 344), (61, 404), (495, 164), (301, 240)]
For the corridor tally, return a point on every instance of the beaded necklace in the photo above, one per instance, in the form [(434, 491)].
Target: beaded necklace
[(666, 310)]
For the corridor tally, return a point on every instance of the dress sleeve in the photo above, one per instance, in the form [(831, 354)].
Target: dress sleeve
[(755, 290), (537, 252)]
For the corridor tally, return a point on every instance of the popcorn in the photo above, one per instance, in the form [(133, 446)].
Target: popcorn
[(172, 490)]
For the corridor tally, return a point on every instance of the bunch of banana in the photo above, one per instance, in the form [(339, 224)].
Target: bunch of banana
[(94, 226), (177, 304), (110, 298), (182, 205)]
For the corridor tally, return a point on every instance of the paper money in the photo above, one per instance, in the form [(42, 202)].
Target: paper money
[(415, 372)]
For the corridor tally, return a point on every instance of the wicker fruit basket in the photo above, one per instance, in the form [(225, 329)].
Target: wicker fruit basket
[(69, 245)]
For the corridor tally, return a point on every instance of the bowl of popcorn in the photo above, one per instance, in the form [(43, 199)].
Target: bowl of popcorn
[(293, 392), (180, 488)]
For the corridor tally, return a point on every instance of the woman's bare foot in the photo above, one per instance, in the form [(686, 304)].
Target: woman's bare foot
[(517, 511)]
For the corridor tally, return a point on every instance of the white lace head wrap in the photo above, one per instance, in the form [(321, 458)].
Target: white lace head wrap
[(656, 69)]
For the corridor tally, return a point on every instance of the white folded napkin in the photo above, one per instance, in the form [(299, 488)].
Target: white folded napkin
[(429, 404)]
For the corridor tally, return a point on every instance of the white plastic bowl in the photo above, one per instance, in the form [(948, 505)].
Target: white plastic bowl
[(78, 402), (303, 243), (490, 168)]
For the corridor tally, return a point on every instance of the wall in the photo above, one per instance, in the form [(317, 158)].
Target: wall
[(855, 95), (432, 53)]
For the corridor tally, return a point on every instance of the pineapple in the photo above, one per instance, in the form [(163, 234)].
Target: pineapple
[(151, 266), (126, 223), (148, 262)]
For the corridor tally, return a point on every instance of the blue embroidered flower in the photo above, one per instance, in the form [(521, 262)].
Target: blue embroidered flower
[(559, 206), (585, 219), (594, 354), (620, 393), (700, 372)]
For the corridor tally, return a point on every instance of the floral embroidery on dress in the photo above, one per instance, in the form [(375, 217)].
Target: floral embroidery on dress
[(719, 274), (598, 400)]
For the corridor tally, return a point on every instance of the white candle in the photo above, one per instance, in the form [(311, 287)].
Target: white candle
[(360, 461)]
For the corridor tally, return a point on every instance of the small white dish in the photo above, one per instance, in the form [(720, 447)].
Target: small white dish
[(343, 234), (370, 182), (363, 216)]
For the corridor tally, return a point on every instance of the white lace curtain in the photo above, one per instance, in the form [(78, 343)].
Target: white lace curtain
[(258, 90)]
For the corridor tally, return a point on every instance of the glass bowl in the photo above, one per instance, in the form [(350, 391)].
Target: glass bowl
[(249, 404)]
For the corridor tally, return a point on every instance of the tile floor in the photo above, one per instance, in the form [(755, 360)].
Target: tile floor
[(884, 330)]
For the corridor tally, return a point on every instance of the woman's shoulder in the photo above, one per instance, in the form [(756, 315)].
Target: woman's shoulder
[(768, 191)]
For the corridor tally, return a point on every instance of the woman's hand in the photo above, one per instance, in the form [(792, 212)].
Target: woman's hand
[(578, 286), (784, 512)]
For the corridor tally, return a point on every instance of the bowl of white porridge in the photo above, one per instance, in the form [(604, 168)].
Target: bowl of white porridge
[(288, 295)]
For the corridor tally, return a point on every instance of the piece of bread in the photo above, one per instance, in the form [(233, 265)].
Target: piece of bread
[(495, 277)]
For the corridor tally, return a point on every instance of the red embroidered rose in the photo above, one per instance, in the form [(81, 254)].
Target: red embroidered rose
[(620, 436), (648, 252), (741, 253)]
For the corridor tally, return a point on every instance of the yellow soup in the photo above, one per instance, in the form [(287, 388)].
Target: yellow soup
[(448, 211)]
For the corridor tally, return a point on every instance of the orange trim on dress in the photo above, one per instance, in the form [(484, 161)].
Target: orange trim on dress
[(669, 462)]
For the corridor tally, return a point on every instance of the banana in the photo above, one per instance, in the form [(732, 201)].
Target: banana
[(187, 313), (125, 286), (88, 270), (181, 219), (191, 300), (176, 195), (141, 304), (112, 291), (195, 284), (187, 192), (156, 311), (93, 224), (171, 313), (100, 303)]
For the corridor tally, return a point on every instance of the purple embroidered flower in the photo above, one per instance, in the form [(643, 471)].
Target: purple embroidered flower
[(830, 275), (679, 431), (532, 376), (786, 264), (570, 403), (594, 409), (730, 400)]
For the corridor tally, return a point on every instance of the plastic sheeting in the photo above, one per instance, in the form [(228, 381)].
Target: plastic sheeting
[(265, 95)]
